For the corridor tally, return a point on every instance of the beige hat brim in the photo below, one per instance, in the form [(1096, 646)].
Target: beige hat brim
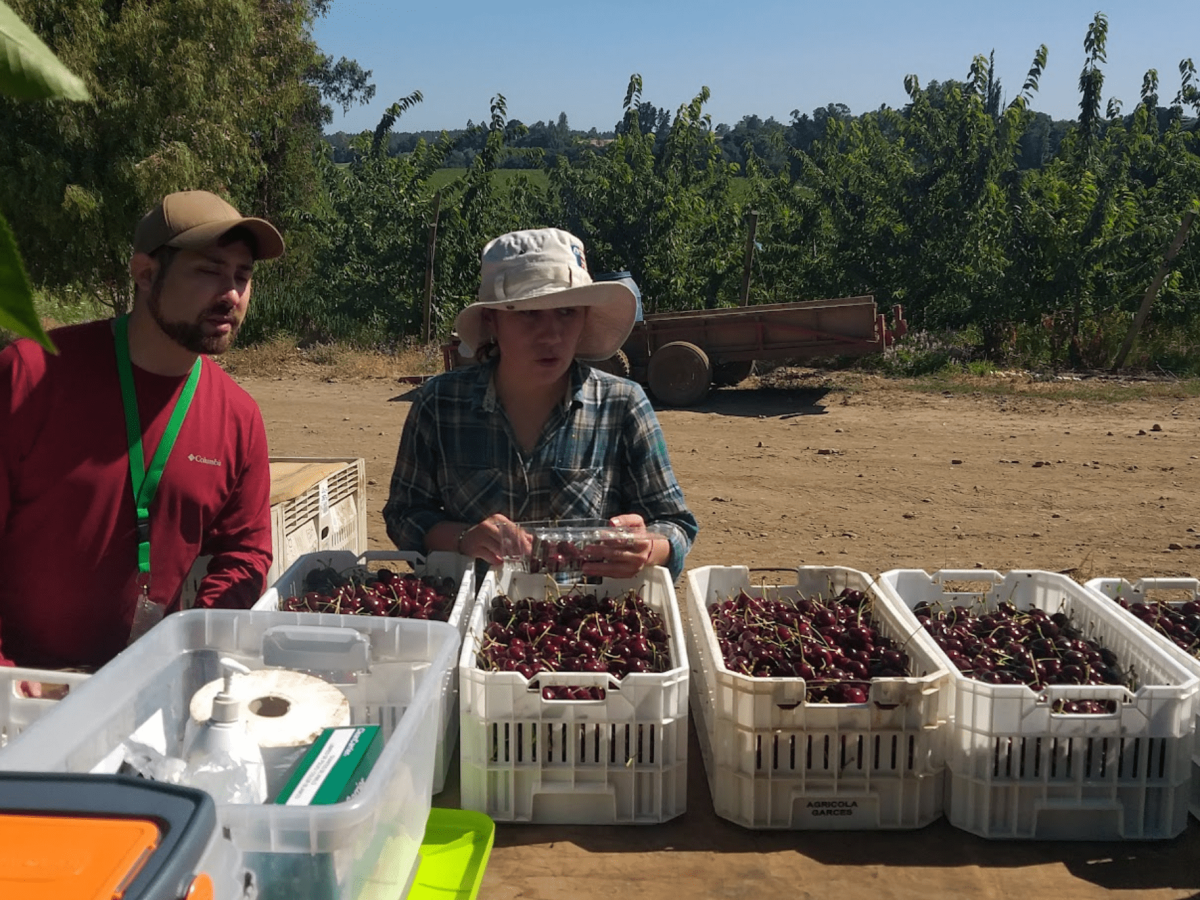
[(609, 321), (269, 241)]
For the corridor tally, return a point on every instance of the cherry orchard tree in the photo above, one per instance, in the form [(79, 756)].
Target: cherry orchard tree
[(660, 204)]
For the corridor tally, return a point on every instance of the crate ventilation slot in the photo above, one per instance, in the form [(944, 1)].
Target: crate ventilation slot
[(1069, 759), (566, 744), (307, 506), (844, 754)]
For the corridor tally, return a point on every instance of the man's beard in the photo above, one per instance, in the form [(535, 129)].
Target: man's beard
[(190, 335)]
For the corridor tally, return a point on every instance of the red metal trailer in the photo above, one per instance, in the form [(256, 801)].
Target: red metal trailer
[(679, 356)]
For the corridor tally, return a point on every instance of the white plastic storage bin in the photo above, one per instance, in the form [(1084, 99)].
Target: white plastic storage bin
[(776, 761), (443, 565), (18, 712), (391, 670), (317, 503), (1141, 591), (1020, 770), (620, 760)]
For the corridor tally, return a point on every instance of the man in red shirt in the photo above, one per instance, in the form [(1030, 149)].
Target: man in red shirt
[(92, 551)]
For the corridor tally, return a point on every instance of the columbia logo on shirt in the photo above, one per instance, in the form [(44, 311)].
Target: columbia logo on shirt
[(203, 459)]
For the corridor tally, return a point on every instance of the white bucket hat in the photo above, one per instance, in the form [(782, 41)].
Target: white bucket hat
[(546, 268)]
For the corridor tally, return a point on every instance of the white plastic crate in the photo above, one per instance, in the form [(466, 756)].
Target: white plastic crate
[(775, 761), (620, 760), (328, 514), (443, 565), (391, 670), (1020, 770), (1138, 592), (18, 712)]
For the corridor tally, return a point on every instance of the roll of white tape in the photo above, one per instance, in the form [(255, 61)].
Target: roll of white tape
[(281, 708), (284, 712)]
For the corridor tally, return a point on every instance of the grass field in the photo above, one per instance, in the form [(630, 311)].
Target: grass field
[(55, 311), (504, 177), (538, 177)]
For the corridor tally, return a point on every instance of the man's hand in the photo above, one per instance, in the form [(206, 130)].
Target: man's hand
[(44, 690)]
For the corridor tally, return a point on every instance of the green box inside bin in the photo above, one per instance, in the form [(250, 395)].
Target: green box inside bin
[(334, 767)]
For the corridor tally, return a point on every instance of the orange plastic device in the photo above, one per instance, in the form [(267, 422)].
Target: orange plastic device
[(70, 858), (78, 837)]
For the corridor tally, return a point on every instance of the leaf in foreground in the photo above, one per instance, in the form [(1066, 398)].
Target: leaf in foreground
[(16, 298), (28, 68)]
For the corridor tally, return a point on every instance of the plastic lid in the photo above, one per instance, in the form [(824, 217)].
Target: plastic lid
[(70, 858)]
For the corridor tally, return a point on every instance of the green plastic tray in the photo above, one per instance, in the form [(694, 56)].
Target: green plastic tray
[(454, 855)]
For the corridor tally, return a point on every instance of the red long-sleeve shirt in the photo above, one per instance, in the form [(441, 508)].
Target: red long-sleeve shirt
[(68, 542)]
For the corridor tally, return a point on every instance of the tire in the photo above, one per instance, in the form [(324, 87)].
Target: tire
[(731, 373), (617, 364), (454, 359), (679, 374)]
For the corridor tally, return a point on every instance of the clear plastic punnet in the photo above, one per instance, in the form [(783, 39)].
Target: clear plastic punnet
[(619, 757), (392, 672), (439, 564), (775, 760), (1022, 767), (1173, 592), (562, 547)]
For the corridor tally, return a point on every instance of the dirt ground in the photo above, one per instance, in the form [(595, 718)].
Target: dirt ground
[(853, 472)]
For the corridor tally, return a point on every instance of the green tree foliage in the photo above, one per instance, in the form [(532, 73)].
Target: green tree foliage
[(217, 94), (371, 230), (912, 206), (973, 214), (806, 130), (478, 212), (367, 242), (931, 207), (658, 204), (753, 136), (935, 206), (1091, 226)]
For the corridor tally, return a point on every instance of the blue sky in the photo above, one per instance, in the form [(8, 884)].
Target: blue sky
[(765, 57)]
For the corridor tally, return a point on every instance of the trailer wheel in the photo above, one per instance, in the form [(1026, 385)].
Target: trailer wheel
[(679, 373), (617, 364), (731, 373)]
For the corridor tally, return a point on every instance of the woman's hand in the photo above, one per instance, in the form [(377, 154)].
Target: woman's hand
[(627, 558), (491, 538)]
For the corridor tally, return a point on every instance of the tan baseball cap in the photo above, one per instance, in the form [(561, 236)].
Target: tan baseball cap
[(193, 220)]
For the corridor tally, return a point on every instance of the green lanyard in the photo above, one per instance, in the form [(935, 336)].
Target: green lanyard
[(145, 481)]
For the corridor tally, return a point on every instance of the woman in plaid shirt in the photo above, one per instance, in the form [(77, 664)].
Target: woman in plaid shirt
[(532, 433)]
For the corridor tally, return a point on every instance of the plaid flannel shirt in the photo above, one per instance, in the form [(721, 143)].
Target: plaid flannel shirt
[(601, 454)]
